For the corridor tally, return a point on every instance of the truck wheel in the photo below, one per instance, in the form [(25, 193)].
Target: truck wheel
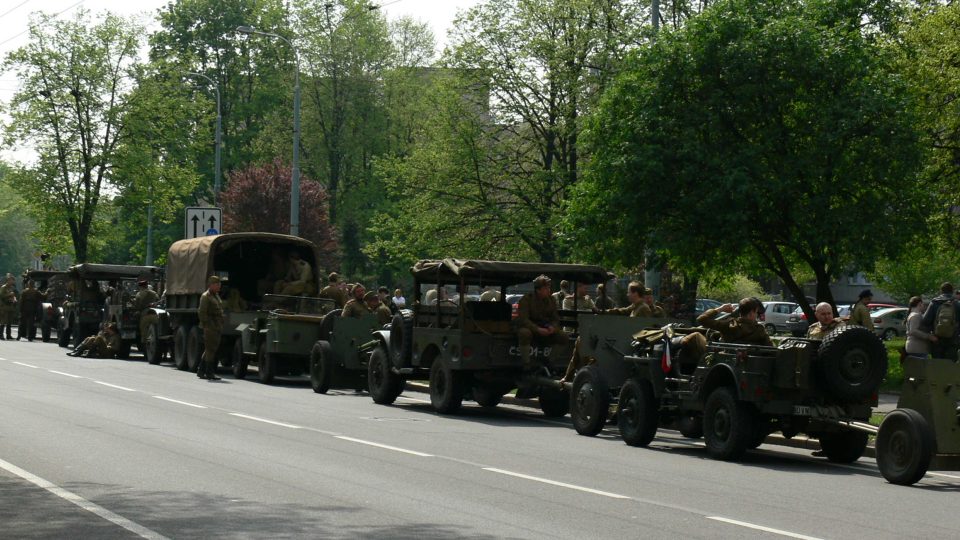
[(853, 362), (63, 334), (267, 369), (637, 414), (124, 350), (554, 402), (180, 347), (487, 395), (152, 347), (446, 387), (905, 446), (239, 360), (45, 331), (690, 427), (194, 348), (728, 425), (383, 383), (321, 367), (401, 344), (589, 402), (843, 446)]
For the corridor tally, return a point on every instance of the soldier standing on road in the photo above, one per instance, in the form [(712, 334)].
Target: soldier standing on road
[(826, 322), (8, 306), (356, 307), (537, 316), (145, 298), (741, 328), (861, 313), (105, 344), (942, 322), (210, 313), (31, 306), (334, 292)]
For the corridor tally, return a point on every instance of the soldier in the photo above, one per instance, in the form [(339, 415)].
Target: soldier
[(90, 293), (741, 328), (356, 307), (584, 303), (861, 313), (385, 300), (31, 306), (537, 316), (299, 277), (562, 294), (8, 306), (145, 298), (603, 301), (277, 271), (106, 344), (210, 313), (826, 322), (232, 299), (490, 295), (655, 310), (333, 291), (372, 300)]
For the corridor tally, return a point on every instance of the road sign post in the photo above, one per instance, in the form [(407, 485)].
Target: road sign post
[(201, 221)]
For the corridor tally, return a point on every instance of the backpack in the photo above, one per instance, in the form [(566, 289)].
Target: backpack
[(946, 322)]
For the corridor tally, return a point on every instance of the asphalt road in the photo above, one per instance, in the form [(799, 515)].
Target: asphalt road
[(122, 449)]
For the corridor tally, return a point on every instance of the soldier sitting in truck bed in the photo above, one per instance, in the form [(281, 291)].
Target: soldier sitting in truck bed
[(299, 278), (537, 316), (741, 328)]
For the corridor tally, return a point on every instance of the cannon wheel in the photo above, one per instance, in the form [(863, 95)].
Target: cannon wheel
[(589, 401), (321, 367), (637, 414), (383, 383), (905, 445)]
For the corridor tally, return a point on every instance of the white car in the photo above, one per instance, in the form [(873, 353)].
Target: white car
[(776, 315)]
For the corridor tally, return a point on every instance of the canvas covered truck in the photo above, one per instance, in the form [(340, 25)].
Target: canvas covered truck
[(466, 347), (249, 263)]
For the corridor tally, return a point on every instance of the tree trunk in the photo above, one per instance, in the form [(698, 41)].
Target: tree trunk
[(824, 294)]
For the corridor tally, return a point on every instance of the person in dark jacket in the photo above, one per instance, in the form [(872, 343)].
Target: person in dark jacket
[(946, 344)]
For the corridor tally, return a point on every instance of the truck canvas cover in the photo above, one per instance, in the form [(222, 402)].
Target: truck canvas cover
[(504, 272), (113, 271)]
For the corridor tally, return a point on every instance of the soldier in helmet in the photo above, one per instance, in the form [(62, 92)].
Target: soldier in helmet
[(210, 314), (537, 316)]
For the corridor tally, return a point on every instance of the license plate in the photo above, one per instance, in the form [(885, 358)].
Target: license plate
[(802, 410)]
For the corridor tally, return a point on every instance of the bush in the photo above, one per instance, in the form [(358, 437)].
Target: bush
[(731, 289)]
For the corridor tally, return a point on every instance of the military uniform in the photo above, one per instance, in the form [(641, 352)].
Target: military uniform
[(144, 298), (105, 344), (861, 316), (384, 315), (640, 309), (31, 306), (334, 293), (819, 330), (584, 303), (534, 313), (210, 313), (658, 312), (8, 306), (298, 280), (731, 329), (355, 308)]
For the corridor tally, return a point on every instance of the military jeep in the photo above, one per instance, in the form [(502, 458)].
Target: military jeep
[(468, 348), (735, 394)]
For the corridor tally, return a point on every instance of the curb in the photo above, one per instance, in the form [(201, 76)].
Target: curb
[(800, 441)]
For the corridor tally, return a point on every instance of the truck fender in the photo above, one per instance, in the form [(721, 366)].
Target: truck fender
[(383, 336), (718, 375)]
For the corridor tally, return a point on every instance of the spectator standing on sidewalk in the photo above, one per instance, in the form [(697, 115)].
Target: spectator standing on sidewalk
[(918, 340), (941, 321)]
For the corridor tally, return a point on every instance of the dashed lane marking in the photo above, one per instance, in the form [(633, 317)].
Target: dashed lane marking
[(556, 483), (194, 405), (265, 421), (384, 446), (762, 528), (93, 508), (64, 374), (124, 388), (26, 365)]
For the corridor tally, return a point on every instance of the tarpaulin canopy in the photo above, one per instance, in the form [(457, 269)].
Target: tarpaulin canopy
[(504, 272), (113, 271)]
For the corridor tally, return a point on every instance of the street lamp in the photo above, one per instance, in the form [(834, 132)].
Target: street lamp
[(295, 177), (217, 138)]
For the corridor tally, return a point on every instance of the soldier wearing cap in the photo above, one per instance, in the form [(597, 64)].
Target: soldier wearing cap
[(210, 314), (861, 313), (356, 306), (537, 316), (144, 299), (333, 291), (372, 300), (743, 327), (655, 311), (8, 305), (105, 344)]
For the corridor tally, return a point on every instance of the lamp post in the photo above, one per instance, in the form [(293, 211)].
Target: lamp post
[(218, 138), (295, 177)]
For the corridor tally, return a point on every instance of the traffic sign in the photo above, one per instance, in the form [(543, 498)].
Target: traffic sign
[(202, 221)]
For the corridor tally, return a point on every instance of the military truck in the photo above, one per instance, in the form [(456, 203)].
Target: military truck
[(88, 305), (53, 285), (468, 348), (248, 263), (738, 394)]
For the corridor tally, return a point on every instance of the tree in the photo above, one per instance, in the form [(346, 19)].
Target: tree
[(761, 135), (258, 199), (75, 79), (16, 230)]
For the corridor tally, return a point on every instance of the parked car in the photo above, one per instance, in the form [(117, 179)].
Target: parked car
[(888, 322), (877, 307), (776, 316), (704, 304)]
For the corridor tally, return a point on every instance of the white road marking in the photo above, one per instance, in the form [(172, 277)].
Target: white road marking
[(93, 508), (264, 420), (762, 528), (180, 402), (560, 484), (124, 388), (65, 374), (384, 446), (943, 475), (414, 399), (26, 365)]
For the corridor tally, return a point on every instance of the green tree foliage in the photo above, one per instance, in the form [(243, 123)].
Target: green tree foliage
[(731, 289), (16, 229), (762, 134), (919, 269), (75, 80)]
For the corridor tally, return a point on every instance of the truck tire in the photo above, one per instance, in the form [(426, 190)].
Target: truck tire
[(446, 387), (240, 361), (194, 348), (589, 401), (180, 347), (852, 362), (843, 446), (401, 332), (905, 445), (638, 413), (554, 402), (383, 383), (690, 427), (729, 425), (487, 395), (152, 348), (63, 334), (321, 367), (268, 369)]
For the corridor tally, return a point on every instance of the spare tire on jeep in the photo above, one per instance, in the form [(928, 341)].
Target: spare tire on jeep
[(401, 334), (852, 363)]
